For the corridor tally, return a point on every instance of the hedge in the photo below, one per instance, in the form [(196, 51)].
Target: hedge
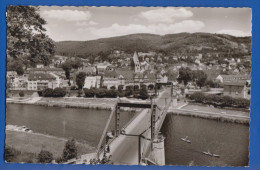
[(223, 101), (101, 93), (105, 93), (57, 92)]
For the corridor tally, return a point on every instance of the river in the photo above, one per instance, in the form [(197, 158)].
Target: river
[(228, 140), (82, 124)]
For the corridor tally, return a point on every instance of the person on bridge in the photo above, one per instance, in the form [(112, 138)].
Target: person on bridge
[(108, 149), (123, 131)]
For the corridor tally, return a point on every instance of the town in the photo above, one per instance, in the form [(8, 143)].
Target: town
[(130, 72)]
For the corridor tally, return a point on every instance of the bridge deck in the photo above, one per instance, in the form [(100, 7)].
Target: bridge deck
[(127, 149)]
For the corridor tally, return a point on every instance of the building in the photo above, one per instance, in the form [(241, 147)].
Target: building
[(92, 82), (20, 83), (236, 89), (40, 81)]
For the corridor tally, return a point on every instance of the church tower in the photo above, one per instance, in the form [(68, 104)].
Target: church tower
[(137, 63)]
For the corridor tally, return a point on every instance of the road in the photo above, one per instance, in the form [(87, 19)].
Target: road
[(124, 149)]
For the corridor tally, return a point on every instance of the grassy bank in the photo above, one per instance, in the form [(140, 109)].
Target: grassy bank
[(30, 144), (221, 118)]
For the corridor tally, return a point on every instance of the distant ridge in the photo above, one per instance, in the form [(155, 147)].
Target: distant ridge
[(169, 44)]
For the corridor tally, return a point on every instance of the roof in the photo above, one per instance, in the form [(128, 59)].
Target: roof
[(135, 58), (40, 76), (45, 69), (235, 83), (127, 74), (87, 70), (110, 74)]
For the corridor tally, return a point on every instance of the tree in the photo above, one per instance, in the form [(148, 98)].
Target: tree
[(70, 150), (80, 80), (89, 92), (21, 94), (45, 157), (143, 93), (26, 37), (47, 92), (67, 68), (150, 86), (76, 64), (15, 65), (247, 64), (185, 75), (200, 78), (59, 92), (10, 153)]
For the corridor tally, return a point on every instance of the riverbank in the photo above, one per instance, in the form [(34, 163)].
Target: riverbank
[(32, 143), (211, 116), (76, 102)]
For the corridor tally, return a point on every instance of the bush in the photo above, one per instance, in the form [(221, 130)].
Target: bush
[(21, 94), (128, 88), (45, 157), (70, 150), (10, 153), (198, 97), (143, 94), (47, 92), (39, 93), (136, 87), (59, 92), (100, 93), (112, 93), (150, 86), (89, 92)]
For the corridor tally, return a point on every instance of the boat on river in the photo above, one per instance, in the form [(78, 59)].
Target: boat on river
[(186, 139), (211, 154)]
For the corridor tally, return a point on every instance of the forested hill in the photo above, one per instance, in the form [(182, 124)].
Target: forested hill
[(182, 43)]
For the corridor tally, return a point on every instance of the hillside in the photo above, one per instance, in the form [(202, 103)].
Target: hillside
[(184, 43)]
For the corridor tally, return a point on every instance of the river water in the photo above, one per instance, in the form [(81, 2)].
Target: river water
[(228, 140), (82, 124)]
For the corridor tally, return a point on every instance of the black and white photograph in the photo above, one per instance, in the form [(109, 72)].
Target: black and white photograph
[(128, 85)]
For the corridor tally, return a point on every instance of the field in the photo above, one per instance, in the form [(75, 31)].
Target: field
[(31, 144)]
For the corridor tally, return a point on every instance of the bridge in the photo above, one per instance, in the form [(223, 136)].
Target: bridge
[(140, 142)]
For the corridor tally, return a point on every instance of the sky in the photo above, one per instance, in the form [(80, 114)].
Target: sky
[(90, 23)]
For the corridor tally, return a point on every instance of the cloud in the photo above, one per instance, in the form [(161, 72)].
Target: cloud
[(86, 23), (166, 15), (162, 29), (237, 33), (67, 15)]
